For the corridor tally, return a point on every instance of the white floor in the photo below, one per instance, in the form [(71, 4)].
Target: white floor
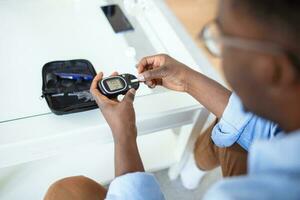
[(173, 190)]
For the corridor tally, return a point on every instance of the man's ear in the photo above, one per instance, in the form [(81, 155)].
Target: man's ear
[(267, 70), (288, 75), (283, 75)]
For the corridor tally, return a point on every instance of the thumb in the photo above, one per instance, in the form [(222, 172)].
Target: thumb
[(129, 96), (153, 74)]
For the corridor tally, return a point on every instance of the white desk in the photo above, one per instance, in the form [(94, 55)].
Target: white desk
[(34, 32)]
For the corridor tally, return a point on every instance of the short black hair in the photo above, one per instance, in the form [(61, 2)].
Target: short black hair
[(284, 13), (281, 15)]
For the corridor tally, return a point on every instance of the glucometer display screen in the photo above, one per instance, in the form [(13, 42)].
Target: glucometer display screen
[(116, 18), (115, 84)]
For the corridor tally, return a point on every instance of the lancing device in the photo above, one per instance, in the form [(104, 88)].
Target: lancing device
[(74, 76), (113, 86)]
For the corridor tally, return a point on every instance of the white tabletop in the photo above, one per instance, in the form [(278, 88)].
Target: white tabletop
[(34, 32)]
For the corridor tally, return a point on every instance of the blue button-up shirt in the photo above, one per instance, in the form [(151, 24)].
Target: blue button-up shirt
[(273, 162), (242, 127)]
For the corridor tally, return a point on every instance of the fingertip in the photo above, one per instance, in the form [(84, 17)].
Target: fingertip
[(114, 74), (152, 86), (139, 68), (132, 91), (141, 64), (99, 75), (141, 77), (130, 95), (95, 81)]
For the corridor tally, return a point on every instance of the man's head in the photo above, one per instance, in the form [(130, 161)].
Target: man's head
[(267, 83)]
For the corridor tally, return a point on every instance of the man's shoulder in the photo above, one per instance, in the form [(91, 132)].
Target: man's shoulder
[(273, 172)]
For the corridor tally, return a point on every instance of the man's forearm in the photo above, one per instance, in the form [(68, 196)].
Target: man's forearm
[(127, 157), (208, 92)]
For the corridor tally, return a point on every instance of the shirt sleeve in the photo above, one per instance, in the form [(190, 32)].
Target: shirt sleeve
[(238, 125), (137, 186)]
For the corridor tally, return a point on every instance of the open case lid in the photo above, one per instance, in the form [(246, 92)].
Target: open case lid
[(65, 95)]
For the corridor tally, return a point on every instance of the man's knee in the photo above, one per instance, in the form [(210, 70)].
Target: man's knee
[(206, 159), (64, 188), (205, 151), (75, 188), (233, 160)]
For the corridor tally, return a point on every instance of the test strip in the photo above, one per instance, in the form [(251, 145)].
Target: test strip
[(134, 80)]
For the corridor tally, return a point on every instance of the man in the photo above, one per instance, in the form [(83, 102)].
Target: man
[(261, 61)]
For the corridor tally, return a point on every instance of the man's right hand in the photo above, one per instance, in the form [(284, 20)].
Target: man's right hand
[(165, 71)]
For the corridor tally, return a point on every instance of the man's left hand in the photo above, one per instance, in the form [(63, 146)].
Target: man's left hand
[(119, 115)]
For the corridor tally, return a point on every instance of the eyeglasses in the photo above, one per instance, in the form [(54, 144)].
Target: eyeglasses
[(214, 40)]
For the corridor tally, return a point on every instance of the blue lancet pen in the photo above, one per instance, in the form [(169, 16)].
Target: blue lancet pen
[(73, 76)]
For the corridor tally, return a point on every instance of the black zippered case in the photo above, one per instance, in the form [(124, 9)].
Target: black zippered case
[(61, 94)]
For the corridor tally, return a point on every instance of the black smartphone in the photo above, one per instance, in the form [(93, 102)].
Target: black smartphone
[(117, 18)]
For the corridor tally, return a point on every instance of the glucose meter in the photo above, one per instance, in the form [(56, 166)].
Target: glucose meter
[(116, 85)]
